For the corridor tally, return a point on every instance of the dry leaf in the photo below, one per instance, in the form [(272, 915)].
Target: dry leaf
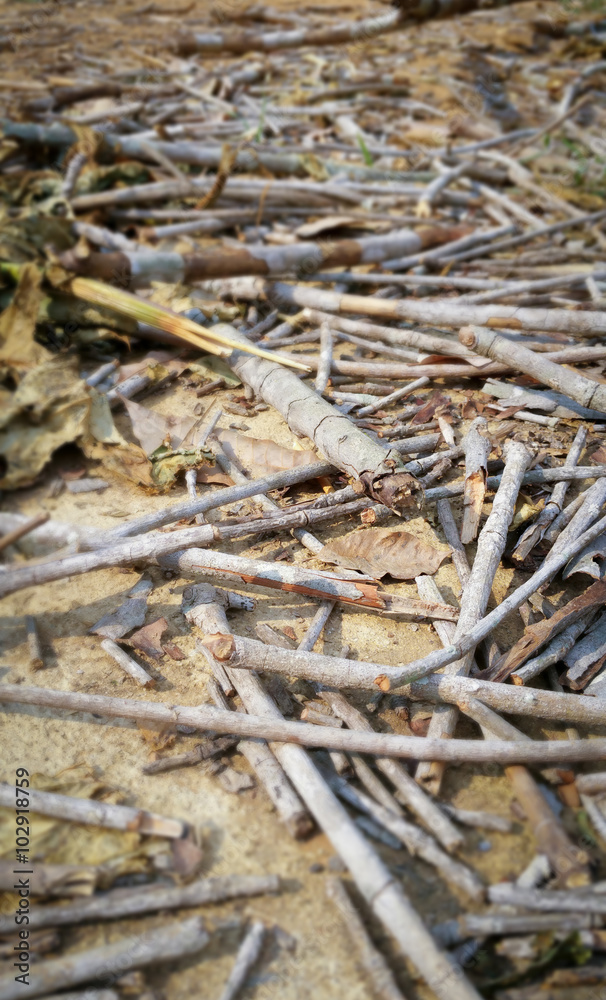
[(19, 352), (152, 429), (264, 456), (208, 476), (379, 551), (147, 639)]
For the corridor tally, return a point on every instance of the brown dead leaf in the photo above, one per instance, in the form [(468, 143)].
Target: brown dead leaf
[(208, 475), (379, 551), (262, 456), (153, 429), (599, 455), (147, 639)]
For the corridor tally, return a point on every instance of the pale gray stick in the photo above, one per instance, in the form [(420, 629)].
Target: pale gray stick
[(130, 666), (426, 342), (593, 502), (491, 345), (417, 842), (597, 817), (90, 811), (398, 394), (166, 943), (117, 904), (153, 545), (551, 900), (354, 590), (554, 505), (266, 766), (451, 534), (475, 818), (188, 508), (553, 652), (207, 719), (334, 435), (477, 447), (433, 661), (373, 785), (592, 784), (325, 609), (563, 519), (325, 361), (498, 924), (248, 953), (413, 797), (430, 312), (476, 593), (494, 727), (385, 896), (375, 966)]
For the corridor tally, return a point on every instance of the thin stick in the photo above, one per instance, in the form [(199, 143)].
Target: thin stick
[(151, 546), (266, 766), (597, 817), (248, 953), (477, 447), (428, 664), (488, 343), (434, 312), (91, 812), (325, 360), (414, 797), (417, 842), (130, 666), (374, 881), (394, 396), (569, 862), (551, 900), (554, 505), (189, 508), (491, 545), (36, 659), (118, 905), (320, 585), (592, 784), (167, 943), (207, 719), (375, 966), (30, 525)]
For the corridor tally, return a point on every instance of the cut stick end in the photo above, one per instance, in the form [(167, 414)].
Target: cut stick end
[(383, 682)]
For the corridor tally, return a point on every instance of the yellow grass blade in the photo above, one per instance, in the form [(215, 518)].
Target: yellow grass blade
[(148, 312)]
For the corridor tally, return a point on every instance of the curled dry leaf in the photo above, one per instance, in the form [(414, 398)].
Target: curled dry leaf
[(147, 639), (379, 551), (264, 456)]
